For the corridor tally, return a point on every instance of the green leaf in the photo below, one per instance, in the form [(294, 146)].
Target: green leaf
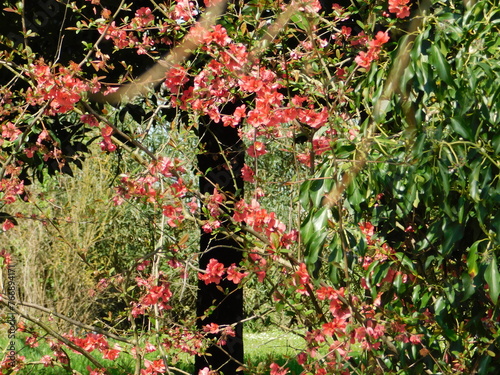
[(452, 232), (307, 230), (445, 178), (299, 20), (335, 259), (468, 287), (458, 125), (304, 194), (492, 277), (496, 144), (406, 262), (472, 257), (379, 273), (440, 305), (442, 66), (314, 248), (320, 218)]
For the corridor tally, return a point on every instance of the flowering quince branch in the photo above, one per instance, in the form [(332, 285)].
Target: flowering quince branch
[(137, 144), (95, 46), (176, 56), (69, 320), (54, 334), (22, 136)]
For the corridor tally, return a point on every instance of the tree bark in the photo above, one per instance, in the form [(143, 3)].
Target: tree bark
[(220, 161)]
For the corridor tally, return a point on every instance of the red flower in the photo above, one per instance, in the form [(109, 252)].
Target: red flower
[(218, 35), (364, 59), (213, 273), (7, 224), (89, 120), (301, 275), (143, 17), (400, 7), (46, 360), (234, 275), (111, 354), (277, 370), (257, 149), (248, 174), (175, 78), (10, 131), (211, 328), (314, 119)]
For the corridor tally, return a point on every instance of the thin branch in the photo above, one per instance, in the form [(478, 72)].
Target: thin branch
[(72, 321), (103, 35), (54, 334), (176, 56), (137, 144)]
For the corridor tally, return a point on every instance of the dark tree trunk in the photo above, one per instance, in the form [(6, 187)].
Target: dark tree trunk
[(220, 161)]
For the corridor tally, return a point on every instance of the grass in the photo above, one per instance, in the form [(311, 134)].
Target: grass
[(260, 350), (273, 346)]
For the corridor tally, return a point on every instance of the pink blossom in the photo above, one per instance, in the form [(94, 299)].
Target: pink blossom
[(248, 174), (211, 328), (7, 224), (400, 7), (257, 149), (143, 17), (46, 360), (277, 370), (10, 131), (234, 275), (213, 273)]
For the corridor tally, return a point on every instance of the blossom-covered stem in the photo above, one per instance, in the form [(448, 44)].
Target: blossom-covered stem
[(139, 145), (19, 146), (71, 321), (95, 46), (53, 333)]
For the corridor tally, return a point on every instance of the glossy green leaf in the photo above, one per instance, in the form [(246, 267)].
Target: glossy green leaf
[(307, 230), (452, 232), (379, 273), (335, 259), (319, 219), (316, 192), (405, 261), (492, 277), (496, 144), (459, 125), (314, 249), (304, 194), (442, 66), (472, 260), (468, 287), (445, 178)]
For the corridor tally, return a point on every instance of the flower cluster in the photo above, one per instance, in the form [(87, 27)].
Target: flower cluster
[(216, 271), (364, 59), (96, 341), (258, 218), (59, 86), (400, 7), (157, 294), (148, 188)]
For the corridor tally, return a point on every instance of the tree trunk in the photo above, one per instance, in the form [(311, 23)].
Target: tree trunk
[(220, 161)]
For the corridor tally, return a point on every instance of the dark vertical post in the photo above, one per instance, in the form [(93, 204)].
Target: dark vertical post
[(220, 160)]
